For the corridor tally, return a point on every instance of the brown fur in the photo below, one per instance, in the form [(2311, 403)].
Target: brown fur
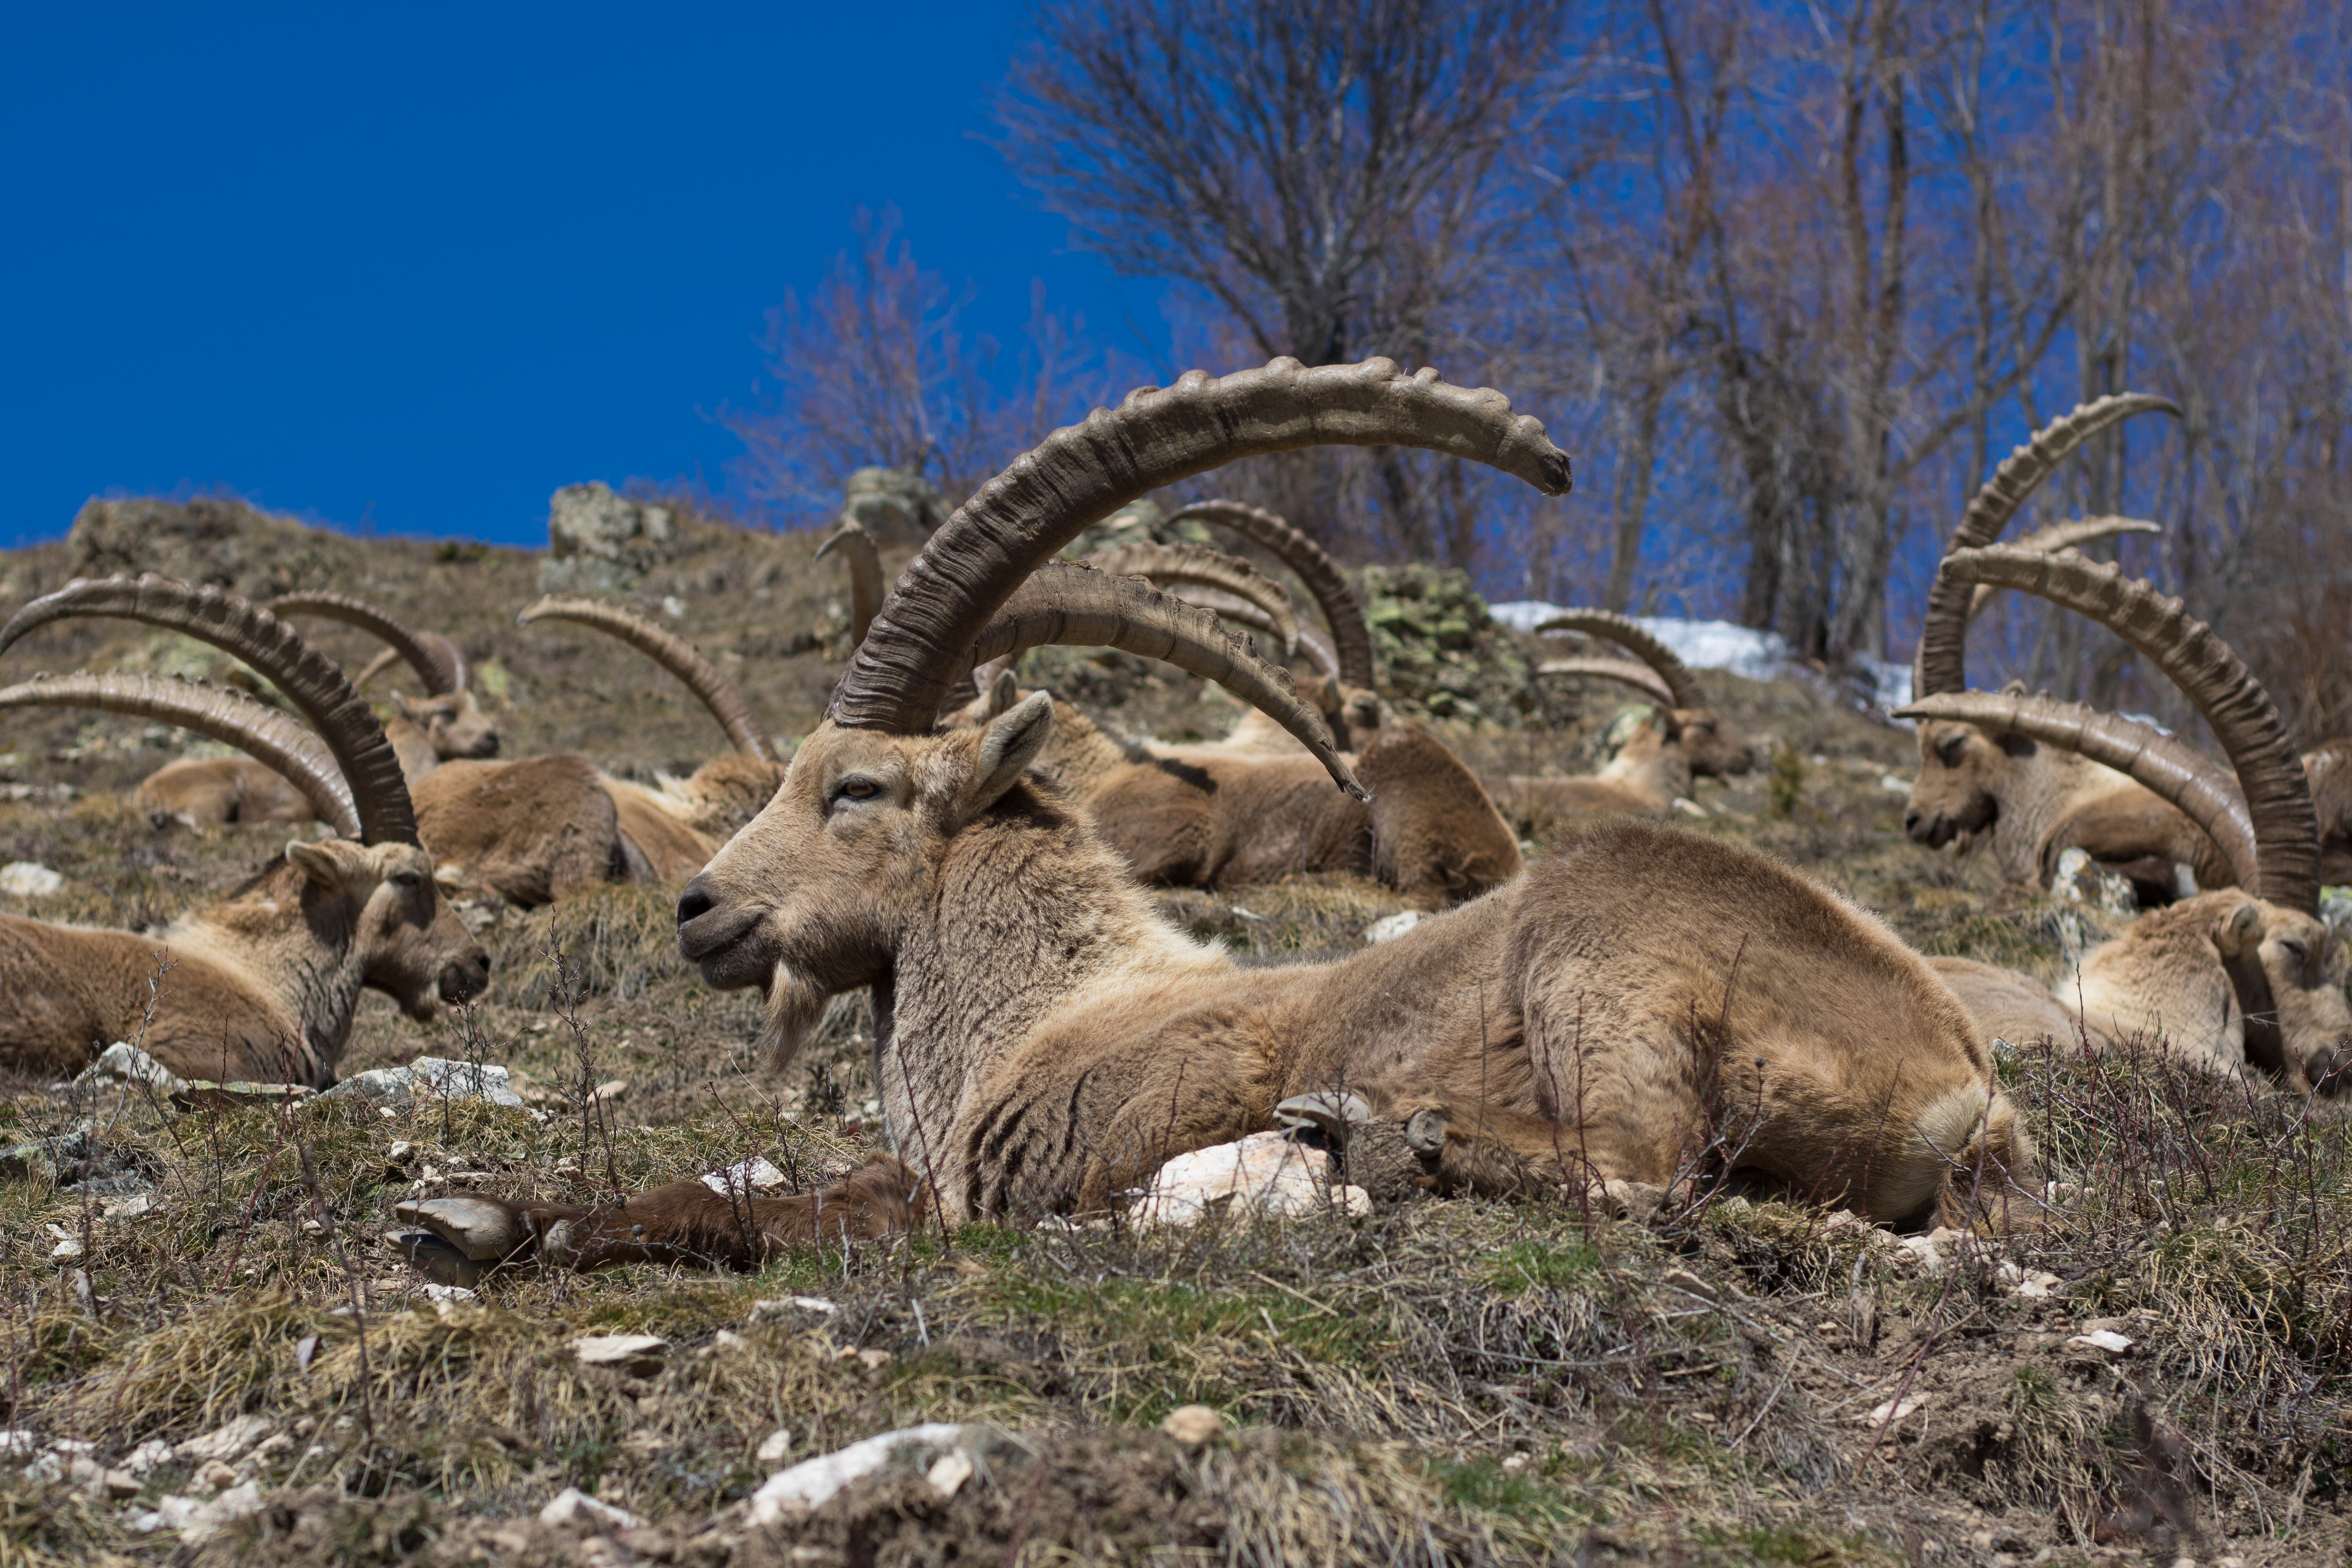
[(261, 986), (532, 831), (2329, 770), (218, 791), (1044, 1040), (1649, 772), (2033, 802), (1250, 810)]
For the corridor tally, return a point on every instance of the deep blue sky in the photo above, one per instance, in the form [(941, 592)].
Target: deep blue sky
[(411, 268)]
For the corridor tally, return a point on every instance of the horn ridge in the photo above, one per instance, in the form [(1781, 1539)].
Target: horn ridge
[(315, 684), (1941, 664), (1626, 632), (2061, 536), (1624, 671), (1169, 566), (434, 658), (1342, 607), (673, 653), (1070, 602), (2171, 767), (899, 677), (2208, 672), (214, 711)]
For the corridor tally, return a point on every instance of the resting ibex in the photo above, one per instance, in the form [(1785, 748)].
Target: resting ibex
[(1044, 1041), (262, 985), (2029, 803), (2225, 979), (1680, 737), (445, 723)]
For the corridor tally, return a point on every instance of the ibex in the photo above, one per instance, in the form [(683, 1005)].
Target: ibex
[(1680, 737), (2226, 979), (263, 984), (445, 723), (1044, 1040), (2028, 801)]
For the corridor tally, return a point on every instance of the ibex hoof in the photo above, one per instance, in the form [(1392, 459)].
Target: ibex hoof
[(484, 1230), (439, 1262), (1336, 1113), (1424, 1134)]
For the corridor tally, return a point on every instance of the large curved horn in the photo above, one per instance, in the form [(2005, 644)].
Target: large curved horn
[(2173, 769), (1081, 473), (314, 683), (434, 658), (2061, 536), (1069, 602), (1941, 664), (673, 653), (214, 711), (864, 558), (1626, 632), (385, 659), (1624, 671), (1192, 565), (2244, 718), (1343, 611), (1246, 613)]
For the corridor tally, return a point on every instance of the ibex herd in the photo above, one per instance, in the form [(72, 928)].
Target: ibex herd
[(1593, 1024)]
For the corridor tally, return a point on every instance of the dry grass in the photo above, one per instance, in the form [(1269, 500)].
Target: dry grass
[(1505, 1383)]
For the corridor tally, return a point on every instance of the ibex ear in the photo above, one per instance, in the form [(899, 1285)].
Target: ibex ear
[(2240, 931), (407, 709), (326, 862), (1002, 693), (1010, 744)]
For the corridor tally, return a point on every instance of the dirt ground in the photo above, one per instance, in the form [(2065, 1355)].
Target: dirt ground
[(1433, 1382)]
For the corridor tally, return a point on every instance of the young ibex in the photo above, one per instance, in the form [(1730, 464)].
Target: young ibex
[(2031, 802), (1658, 754), (1044, 1040), (446, 723), (2228, 979), (262, 985)]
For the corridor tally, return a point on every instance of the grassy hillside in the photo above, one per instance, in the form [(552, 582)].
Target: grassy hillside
[(1436, 1381)]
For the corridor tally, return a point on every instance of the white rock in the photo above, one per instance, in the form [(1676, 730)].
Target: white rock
[(17, 1445), (68, 1250), (770, 1308), (123, 1062), (2039, 1285), (154, 1451), (755, 1174), (572, 1505), (810, 1482), (429, 1079), (1690, 808), (2105, 1339), (1391, 927), (949, 1471), (1893, 786), (1892, 1410), (774, 1446), (24, 880), (618, 1350), (198, 1521), (1265, 1174), (1193, 1425), (225, 1442)]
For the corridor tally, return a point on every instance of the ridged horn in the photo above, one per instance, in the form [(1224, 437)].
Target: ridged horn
[(2242, 714), (2173, 769), (1082, 473), (1343, 611), (2061, 536), (1624, 671), (669, 650), (213, 711), (1245, 612), (864, 558), (1195, 566), (1627, 632), (434, 658), (1068, 603), (315, 684), (1941, 664)]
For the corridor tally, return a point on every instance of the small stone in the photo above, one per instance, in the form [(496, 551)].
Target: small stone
[(752, 1176), (154, 1451), (810, 1482), (774, 1446), (1893, 1410), (2105, 1339), (216, 1475), (226, 1442), (620, 1351), (25, 879), (1514, 1464), (875, 1360), (572, 1505), (612, 1090), (1193, 1425)]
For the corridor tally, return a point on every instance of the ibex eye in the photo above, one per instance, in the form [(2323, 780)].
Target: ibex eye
[(408, 879), (855, 789)]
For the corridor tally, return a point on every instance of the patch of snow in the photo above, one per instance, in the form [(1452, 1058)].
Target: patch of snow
[(1702, 645)]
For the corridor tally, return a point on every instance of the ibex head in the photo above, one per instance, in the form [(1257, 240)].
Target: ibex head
[(453, 722), (1681, 715), (1959, 789), (413, 947), (878, 811)]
